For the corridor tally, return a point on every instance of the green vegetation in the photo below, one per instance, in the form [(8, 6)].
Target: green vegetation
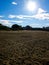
[(24, 48), (2, 27), (15, 27)]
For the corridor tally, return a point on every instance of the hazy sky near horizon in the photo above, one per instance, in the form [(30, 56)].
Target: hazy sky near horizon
[(22, 13)]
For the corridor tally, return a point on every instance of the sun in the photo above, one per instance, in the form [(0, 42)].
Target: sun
[(31, 6)]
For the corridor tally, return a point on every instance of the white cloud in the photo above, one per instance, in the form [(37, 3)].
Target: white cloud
[(4, 21), (11, 16), (40, 10), (1, 16), (14, 3), (40, 15), (19, 16), (10, 22), (16, 16), (14, 21), (35, 25)]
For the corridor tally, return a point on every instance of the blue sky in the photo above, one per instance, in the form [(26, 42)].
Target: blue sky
[(16, 12)]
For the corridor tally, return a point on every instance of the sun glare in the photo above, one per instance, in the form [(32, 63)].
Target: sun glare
[(31, 6)]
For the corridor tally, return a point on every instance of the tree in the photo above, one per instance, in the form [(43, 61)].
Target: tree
[(28, 27), (16, 27), (47, 28), (2, 27)]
